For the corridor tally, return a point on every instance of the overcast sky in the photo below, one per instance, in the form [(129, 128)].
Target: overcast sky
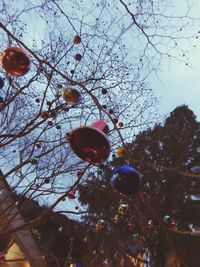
[(179, 83)]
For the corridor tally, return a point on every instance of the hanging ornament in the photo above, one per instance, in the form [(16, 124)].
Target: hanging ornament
[(78, 57), (46, 180), (173, 224), (120, 124), (104, 91), (126, 180), (121, 151), (1, 99), (44, 115), (90, 143), (15, 61), (110, 111), (150, 224), (59, 86), (50, 123), (38, 145), (48, 103), (100, 226), (58, 126), (116, 219), (123, 209), (1, 82), (130, 226), (104, 106), (167, 220), (115, 120), (37, 100), (34, 160), (77, 39), (71, 194), (71, 96)]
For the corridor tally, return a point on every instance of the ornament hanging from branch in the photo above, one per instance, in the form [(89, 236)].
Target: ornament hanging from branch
[(15, 61), (71, 96), (125, 180), (90, 143)]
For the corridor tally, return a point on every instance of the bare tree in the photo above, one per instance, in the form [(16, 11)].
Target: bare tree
[(119, 45)]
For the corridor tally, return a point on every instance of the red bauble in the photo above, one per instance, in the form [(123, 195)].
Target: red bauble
[(78, 57), (15, 61), (77, 39), (90, 143)]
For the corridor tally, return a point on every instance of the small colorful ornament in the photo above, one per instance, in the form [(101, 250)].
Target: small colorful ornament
[(48, 103), (71, 96), (78, 57), (123, 209), (104, 91), (59, 86), (126, 180), (120, 124), (116, 219), (37, 100), (77, 39), (1, 82), (167, 220), (44, 115), (90, 143), (121, 151), (58, 126), (100, 226), (34, 161), (115, 120), (50, 123), (130, 226), (38, 145), (173, 224), (71, 194), (150, 224), (15, 61)]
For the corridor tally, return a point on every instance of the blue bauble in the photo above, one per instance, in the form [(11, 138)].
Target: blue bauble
[(125, 180)]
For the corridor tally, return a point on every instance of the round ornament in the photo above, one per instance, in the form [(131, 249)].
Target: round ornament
[(44, 115), (167, 219), (78, 57), (126, 180), (123, 209), (15, 61), (104, 91), (1, 82), (58, 126), (71, 194), (77, 39), (101, 225), (121, 151), (50, 123), (34, 161), (38, 145), (71, 96), (120, 124), (115, 220)]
